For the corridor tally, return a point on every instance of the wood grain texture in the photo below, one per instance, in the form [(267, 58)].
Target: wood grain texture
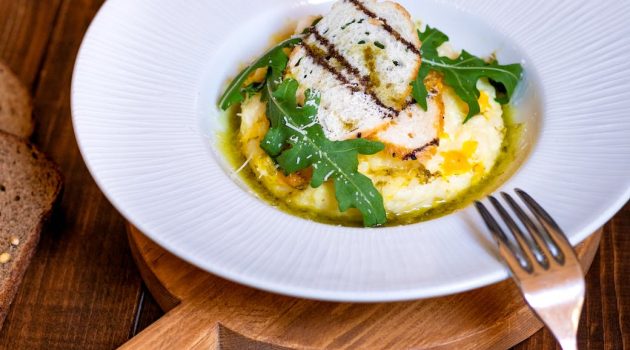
[(82, 290), (605, 322), (26, 27), (205, 309)]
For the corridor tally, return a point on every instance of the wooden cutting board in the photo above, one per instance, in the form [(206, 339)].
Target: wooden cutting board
[(204, 311)]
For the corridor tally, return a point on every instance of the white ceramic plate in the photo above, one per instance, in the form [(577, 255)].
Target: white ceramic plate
[(149, 73)]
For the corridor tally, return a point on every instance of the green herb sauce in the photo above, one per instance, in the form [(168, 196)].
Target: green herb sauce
[(503, 168), (229, 147)]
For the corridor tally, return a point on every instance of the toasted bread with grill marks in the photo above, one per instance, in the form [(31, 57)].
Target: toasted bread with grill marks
[(415, 133), (362, 57)]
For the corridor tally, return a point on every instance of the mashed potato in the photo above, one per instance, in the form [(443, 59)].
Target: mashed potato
[(466, 154)]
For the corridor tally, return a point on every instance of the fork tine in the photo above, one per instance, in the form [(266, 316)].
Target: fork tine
[(552, 229), (512, 254), (556, 293), (534, 251), (542, 239), (547, 242)]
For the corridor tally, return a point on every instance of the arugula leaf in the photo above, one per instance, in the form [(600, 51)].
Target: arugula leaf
[(296, 140), (461, 73), (275, 58), (297, 126), (253, 88)]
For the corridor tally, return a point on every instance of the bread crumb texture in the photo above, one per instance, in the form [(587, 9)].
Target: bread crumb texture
[(29, 185)]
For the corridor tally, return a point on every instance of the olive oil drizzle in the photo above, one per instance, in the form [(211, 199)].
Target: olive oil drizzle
[(230, 146), (364, 85), (334, 53), (319, 59)]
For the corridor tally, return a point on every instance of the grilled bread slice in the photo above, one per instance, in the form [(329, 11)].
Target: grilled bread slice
[(415, 133), (15, 105), (362, 57)]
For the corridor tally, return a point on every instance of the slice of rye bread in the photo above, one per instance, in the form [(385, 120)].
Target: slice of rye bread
[(15, 104), (29, 186)]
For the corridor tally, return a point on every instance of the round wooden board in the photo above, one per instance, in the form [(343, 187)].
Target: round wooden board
[(207, 312)]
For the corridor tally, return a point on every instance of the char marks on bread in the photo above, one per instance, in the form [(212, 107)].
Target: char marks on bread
[(415, 134), (361, 69), (362, 57)]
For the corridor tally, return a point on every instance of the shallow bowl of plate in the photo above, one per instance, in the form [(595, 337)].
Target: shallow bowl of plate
[(144, 95)]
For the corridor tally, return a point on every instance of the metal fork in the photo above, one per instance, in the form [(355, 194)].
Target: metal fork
[(543, 264)]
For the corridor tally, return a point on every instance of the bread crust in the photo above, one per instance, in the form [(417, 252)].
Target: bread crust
[(416, 40), (13, 271), (407, 15)]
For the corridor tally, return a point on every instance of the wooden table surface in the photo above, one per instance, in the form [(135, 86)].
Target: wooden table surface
[(82, 290)]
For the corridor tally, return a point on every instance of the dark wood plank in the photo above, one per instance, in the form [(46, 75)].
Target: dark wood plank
[(591, 322), (82, 288), (605, 322), (25, 31), (617, 246), (609, 285)]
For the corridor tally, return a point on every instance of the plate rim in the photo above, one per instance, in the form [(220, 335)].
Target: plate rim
[(466, 283)]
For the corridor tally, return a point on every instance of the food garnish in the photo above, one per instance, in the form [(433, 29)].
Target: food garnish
[(326, 102), (296, 140), (461, 73), (275, 59)]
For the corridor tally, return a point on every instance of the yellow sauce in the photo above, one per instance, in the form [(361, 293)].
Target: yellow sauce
[(456, 162), (502, 169)]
